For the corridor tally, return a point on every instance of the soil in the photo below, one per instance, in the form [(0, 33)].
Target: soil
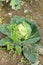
[(35, 12)]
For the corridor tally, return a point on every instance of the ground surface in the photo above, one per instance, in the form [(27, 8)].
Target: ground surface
[(35, 12)]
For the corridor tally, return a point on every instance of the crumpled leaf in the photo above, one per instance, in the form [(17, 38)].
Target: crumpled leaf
[(15, 4)]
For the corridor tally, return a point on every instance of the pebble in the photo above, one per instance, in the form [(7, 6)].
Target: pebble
[(10, 14), (2, 59), (25, 11)]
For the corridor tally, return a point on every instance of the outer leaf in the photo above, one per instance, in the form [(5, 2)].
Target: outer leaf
[(3, 29), (31, 41), (17, 19), (5, 41), (8, 42), (35, 29), (30, 53)]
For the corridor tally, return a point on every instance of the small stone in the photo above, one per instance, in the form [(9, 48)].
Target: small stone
[(2, 59), (25, 11), (10, 14)]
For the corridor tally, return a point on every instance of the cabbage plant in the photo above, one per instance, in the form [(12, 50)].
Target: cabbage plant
[(22, 35)]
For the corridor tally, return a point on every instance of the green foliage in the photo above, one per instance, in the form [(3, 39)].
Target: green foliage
[(22, 35), (18, 49), (30, 53), (24, 29), (14, 34), (3, 29), (31, 41), (2, 0), (16, 4), (5, 41)]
